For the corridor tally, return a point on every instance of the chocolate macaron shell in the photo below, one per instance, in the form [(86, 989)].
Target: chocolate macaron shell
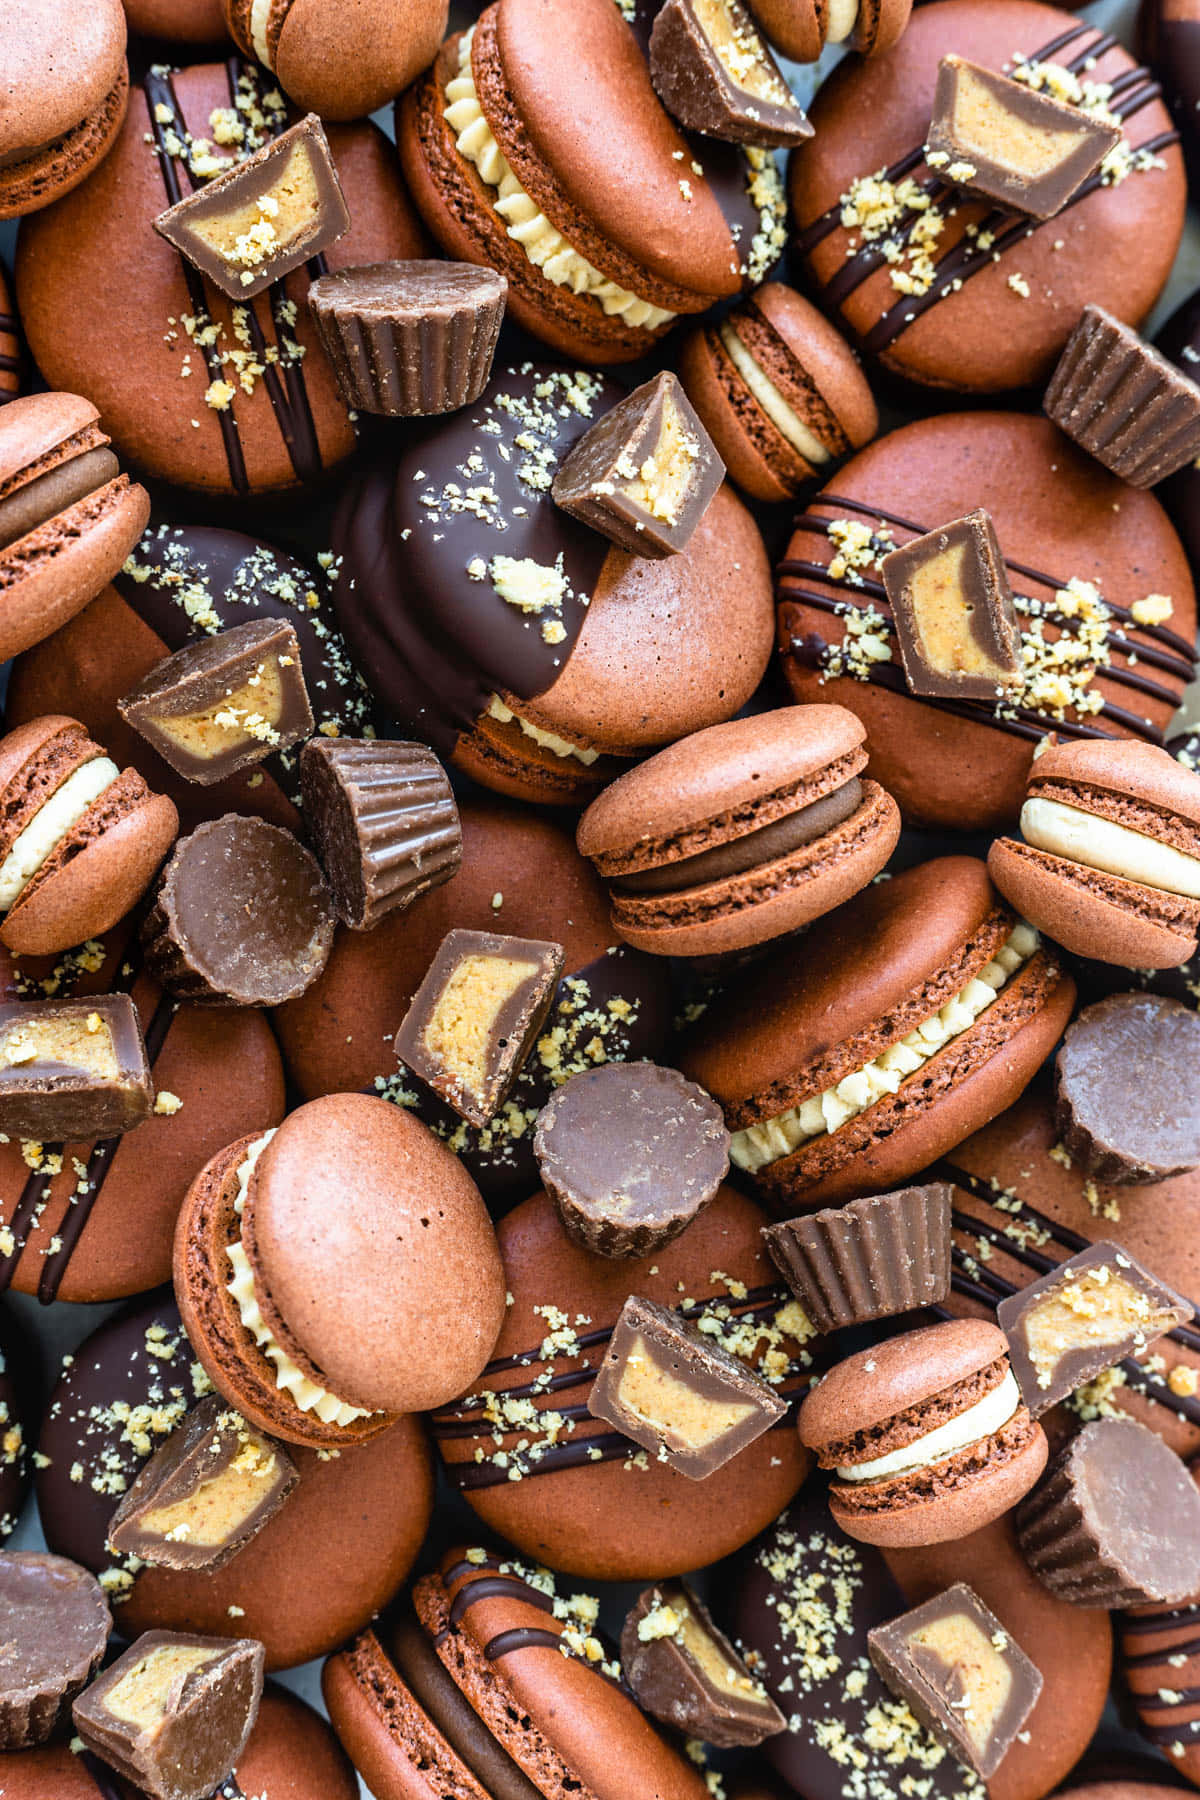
[(948, 1512), (344, 62), (1095, 914), (338, 1548), (79, 262), (756, 456), (66, 94), (1060, 519), (900, 1373), (178, 21), (608, 1517)]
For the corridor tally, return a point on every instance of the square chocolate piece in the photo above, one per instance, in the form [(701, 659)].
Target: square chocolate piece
[(712, 70), (472, 1022), (678, 1395), (953, 610), (72, 1070), (263, 216), (960, 1673), (1002, 139), (206, 1491), (645, 474), (223, 702), (1089, 1313), (687, 1673), (173, 1714)]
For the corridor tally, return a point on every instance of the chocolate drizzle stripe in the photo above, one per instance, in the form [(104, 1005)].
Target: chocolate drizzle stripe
[(1168, 1734), (102, 1776), (10, 364), (523, 1637), (446, 1429), (1149, 1659), (160, 91), (492, 1587), (1170, 1619)]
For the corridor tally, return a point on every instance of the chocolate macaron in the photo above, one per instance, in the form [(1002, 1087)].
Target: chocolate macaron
[(944, 1004), (177, 21), (927, 1435), (342, 62), (318, 1265), (802, 28), (1102, 590), (740, 833), (318, 1570), (68, 516), (65, 97), (491, 1679), (1108, 862), (528, 650), (780, 391), (221, 403), (513, 166)]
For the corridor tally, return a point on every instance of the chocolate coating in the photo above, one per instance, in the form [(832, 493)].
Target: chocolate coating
[(1126, 1095), (56, 1626)]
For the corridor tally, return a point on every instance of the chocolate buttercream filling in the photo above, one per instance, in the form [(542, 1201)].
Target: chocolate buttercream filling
[(765, 845), (44, 498)]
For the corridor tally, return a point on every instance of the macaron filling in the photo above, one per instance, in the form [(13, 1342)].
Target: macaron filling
[(756, 1146), (1103, 844), (782, 415), (766, 844), (981, 1420), (82, 466), (841, 16), (51, 824), (307, 1394), (260, 19), (543, 244), (546, 740)]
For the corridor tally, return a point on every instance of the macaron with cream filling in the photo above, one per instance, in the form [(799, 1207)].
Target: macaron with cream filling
[(802, 28), (65, 93), (340, 58)]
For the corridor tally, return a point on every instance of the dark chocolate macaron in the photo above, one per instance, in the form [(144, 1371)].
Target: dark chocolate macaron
[(927, 1435), (740, 833), (65, 94), (910, 1016)]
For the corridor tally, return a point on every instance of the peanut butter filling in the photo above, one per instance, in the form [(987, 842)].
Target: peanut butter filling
[(981, 1672), (271, 223), (1100, 1307), (671, 1407), (216, 1512), (548, 740), (76, 1043), (937, 594), (738, 50), (987, 128), (142, 1697), (661, 484), (463, 1026), (250, 711)]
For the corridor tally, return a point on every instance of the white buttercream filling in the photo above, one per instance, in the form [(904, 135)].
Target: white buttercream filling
[(51, 823), (260, 13), (978, 1422), (843, 17), (525, 222), (784, 417), (1079, 836), (757, 1145), (308, 1396), (548, 740)]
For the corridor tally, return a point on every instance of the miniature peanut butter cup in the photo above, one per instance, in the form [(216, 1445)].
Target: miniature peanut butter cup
[(1128, 1108), (869, 1259), (630, 1153), (1116, 1521), (73, 1069), (55, 1627), (242, 916), (688, 1674), (1123, 402)]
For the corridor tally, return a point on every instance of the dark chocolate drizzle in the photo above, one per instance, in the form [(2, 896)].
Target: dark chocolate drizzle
[(1166, 650), (975, 1281), (1131, 91), (100, 1160), (492, 1579), (1162, 1624)]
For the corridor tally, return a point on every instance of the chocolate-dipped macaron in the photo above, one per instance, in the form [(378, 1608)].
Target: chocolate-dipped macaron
[(802, 28), (511, 169), (740, 833), (927, 1435), (560, 1484), (944, 1004), (524, 647), (452, 1690), (319, 1264), (16, 1421), (102, 294), (342, 62), (337, 1548), (68, 516), (65, 97), (1108, 862), (1102, 590), (971, 297), (780, 392)]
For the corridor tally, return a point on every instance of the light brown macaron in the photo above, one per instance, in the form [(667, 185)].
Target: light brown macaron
[(802, 28), (65, 93), (68, 516), (338, 1273), (177, 21), (740, 833), (1109, 864), (781, 394), (926, 1435), (80, 839), (339, 58)]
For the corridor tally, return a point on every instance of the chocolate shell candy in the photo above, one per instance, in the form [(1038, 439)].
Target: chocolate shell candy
[(870, 1259), (54, 1626), (384, 820), (410, 339), (1123, 402), (1126, 1102)]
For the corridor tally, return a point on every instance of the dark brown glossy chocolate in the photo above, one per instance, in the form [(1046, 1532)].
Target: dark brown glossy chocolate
[(1126, 1095), (72, 1070), (471, 1023), (205, 1492), (677, 1394), (711, 68), (224, 702), (645, 474), (263, 216), (1122, 401), (55, 1625), (960, 1671), (998, 137), (953, 611), (687, 1673)]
